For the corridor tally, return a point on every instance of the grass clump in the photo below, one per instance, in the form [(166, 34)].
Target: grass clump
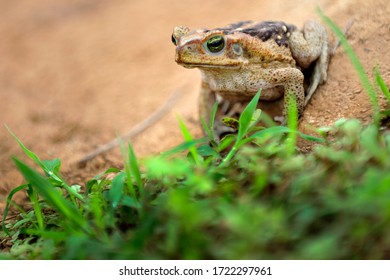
[(261, 199), (263, 203)]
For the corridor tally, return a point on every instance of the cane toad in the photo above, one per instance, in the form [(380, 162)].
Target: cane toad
[(237, 60)]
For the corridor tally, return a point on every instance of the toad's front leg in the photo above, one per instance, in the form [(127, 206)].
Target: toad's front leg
[(207, 98), (292, 80)]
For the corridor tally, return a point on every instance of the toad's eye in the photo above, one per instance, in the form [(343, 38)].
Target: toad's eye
[(174, 41), (215, 44)]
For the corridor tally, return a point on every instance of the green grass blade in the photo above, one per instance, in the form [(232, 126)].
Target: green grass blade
[(292, 123), (129, 176), (212, 122), (369, 89), (116, 190), (130, 202), (33, 195), (28, 152), (135, 170), (381, 83), (209, 129), (246, 116), (274, 130), (312, 138), (184, 130), (205, 127), (53, 235), (226, 142), (48, 169), (206, 151), (134, 166), (33, 156), (213, 114), (100, 175), (9, 199), (244, 124), (52, 197), (188, 138), (184, 147)]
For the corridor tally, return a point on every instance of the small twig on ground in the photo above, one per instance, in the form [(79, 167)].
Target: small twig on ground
[(148, 122)]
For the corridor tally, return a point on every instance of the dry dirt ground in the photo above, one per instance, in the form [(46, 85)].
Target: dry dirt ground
[(73, 73)]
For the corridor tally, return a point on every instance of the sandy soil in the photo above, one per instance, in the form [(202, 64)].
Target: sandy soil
[(75, 73)]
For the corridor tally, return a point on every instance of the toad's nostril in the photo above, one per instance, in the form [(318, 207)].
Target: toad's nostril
[(174, 40)]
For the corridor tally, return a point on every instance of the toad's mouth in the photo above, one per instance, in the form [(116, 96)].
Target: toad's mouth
[(215, 66)]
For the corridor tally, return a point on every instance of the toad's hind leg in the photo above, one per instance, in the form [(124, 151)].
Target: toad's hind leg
[(307, 46)]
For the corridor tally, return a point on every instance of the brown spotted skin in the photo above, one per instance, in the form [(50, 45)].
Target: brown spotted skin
[(239, 59)]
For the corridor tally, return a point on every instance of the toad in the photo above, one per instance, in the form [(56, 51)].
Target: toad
[(239, 59)]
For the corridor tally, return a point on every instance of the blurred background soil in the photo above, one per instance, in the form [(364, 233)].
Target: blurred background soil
[(75, 73)]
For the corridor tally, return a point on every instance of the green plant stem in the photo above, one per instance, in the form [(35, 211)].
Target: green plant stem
[(292, 123)]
